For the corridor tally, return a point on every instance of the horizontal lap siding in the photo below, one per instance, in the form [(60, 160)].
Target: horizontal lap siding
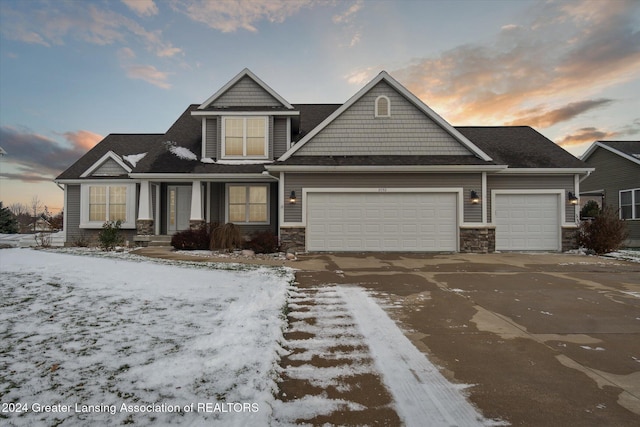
[(407, 132), (613, 173), (109, 168), (533, 182), (297, 182), (279, 136), (211, 138)]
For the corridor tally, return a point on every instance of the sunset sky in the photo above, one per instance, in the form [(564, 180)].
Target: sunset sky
[(72, 72)]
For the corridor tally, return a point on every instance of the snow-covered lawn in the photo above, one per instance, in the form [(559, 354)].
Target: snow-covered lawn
[(102, 341)]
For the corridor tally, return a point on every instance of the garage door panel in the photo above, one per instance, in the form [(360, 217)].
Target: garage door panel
[(527, 222), (382, 221)]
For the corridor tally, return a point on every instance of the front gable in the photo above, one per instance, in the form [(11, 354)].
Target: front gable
[(406, 126), (110, 164), (245, 90), (405, 130)]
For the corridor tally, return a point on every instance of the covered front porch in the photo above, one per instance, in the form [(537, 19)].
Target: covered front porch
[(172, 205)]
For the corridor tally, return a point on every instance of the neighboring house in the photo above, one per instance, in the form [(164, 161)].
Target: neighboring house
[(381, 172), (616, 181)]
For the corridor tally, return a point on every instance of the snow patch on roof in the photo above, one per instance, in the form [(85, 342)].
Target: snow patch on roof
[(207, 160), (133, 159), (180, 152)]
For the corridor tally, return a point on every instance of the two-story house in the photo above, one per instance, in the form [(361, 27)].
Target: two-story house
[(381, 172)]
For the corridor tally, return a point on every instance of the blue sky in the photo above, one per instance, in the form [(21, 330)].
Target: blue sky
[(72, 72)]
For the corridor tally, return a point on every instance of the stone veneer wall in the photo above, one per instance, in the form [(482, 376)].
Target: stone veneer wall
[(292, 239), (144, 227), (478, 240), (569, 238)]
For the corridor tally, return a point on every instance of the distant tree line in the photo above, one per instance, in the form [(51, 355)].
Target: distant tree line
[(32, 218)]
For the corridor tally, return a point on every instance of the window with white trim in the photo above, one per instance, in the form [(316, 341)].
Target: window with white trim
[(630, 204), (100, 203), (245, 137), (248, 204), (382, 107)]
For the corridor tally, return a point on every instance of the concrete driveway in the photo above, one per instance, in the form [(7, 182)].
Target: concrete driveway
[(547, 339)]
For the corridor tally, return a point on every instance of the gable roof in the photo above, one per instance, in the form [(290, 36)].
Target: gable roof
[(520, 147), (117, 143), (384, 76), (244, 73), (102, 160), (629, 150)]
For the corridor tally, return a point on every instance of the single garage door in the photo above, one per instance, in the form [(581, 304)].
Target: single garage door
[(527, 222), (401, 222)]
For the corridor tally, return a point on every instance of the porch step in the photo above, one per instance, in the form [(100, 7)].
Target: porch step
[(163, 240)]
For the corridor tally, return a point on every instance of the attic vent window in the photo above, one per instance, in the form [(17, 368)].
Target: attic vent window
[(383, 107)]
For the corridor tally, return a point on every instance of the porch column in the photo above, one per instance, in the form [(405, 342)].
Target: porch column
[(144, 222), (195, 220)]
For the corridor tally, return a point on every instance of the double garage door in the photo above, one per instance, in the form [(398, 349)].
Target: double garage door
[(400, 222)]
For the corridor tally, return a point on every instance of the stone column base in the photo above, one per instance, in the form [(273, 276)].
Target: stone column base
[(292, 239), (144, 227), (569, 238), (194, 224), (478, 240)]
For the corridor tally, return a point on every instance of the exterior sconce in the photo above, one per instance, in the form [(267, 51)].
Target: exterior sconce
[(572, 198), (474, 198), (292, 197)]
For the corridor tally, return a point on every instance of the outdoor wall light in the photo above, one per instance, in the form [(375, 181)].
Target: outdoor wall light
[(572, 198), (292, 197), (475, 199)]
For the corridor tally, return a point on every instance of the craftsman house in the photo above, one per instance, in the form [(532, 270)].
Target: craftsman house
[(616, 181), (381, 172)]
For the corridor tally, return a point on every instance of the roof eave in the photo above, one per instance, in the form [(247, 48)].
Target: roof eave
[(386, 168)]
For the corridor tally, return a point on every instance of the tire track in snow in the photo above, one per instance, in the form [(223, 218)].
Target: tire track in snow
[(422, 395)]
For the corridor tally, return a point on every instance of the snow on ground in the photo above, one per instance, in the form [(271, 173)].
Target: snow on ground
[(625, 255), (88, 335)]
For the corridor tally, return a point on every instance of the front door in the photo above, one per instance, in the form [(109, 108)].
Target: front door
[(178, 208)]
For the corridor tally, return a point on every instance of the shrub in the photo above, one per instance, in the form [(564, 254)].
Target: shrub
[(263, 242), (110, 237), (194, 239), (605, 233), (227, 237), (591, 209)]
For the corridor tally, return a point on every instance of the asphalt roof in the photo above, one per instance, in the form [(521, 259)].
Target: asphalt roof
[(515, 146), (630, 148), (520, 147)]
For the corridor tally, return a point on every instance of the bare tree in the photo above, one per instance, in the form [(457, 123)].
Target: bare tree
[(18, 208), (35, 206)]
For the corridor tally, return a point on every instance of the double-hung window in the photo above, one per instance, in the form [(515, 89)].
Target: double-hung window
[(248, 204), (630, 204), (245, 137)]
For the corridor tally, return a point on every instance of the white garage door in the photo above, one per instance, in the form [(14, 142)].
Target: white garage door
[(401, 222), (527, 222)]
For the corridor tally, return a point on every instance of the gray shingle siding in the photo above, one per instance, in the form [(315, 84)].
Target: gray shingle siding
[(407, 132), (246, 93), (533, 182), (469, 181)]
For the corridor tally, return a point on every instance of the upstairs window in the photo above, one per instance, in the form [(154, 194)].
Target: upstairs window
[(245, 137), (630, 204), (383, 107)]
